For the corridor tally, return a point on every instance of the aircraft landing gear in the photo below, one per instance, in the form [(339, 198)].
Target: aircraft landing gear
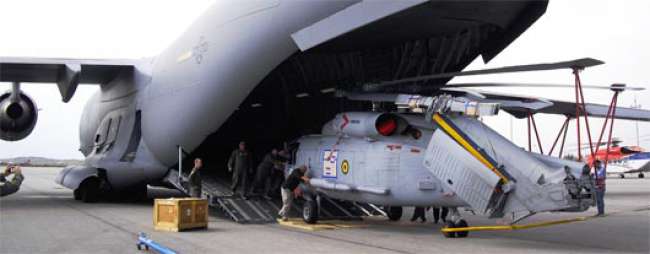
[(622, 176), (310, 210), (641, 175), (456, 221), (88, 190), (394, 212)]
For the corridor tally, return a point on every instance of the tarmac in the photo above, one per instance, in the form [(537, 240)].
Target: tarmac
[(43, 217)]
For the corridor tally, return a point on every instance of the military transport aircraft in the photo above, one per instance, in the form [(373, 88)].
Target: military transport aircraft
[(268, 71)]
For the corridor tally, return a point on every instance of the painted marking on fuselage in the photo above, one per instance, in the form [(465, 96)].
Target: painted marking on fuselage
[(345, 121), (345, 167), (330, 158), (447, 128)]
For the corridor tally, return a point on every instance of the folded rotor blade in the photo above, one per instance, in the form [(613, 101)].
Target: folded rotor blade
[(578, 63), (492, 84)]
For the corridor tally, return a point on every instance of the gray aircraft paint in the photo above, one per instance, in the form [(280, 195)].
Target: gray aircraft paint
[(205, 75)]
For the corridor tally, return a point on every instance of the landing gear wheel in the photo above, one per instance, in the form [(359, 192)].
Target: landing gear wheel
[(641, 175), (310, 212), (89, 190), (394, 213), (76, 194), (622, 175), (462, 224), (449, 224), (136, 193)]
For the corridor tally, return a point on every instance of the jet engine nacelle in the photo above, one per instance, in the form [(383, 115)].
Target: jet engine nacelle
[(18, 115), (365, 124)]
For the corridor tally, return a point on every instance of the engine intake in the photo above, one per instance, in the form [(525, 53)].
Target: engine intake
[(18, 116)]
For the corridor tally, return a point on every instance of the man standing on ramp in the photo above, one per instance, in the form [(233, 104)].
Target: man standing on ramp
[(241, 165)]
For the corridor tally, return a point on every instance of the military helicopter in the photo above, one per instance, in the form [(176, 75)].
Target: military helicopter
[(434, 151)]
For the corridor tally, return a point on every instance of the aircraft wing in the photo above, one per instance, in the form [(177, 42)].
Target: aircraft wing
[(519, 106), (66, 73)]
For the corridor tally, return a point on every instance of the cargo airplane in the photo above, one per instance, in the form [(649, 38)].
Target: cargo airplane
[(268, 71)]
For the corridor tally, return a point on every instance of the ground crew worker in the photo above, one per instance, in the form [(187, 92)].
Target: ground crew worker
[(8, 187), (601, 175), (241, 165), (195, 179), (419, 213), (263, 173), (437, 215), (296, 177)]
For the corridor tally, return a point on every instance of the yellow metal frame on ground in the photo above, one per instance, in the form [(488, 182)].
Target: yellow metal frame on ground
[(514, 227), (321, 225)]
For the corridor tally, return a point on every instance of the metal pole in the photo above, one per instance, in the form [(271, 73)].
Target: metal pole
[(559, 133), (564, 138), (575, 72), (602, 131), (582, 99), (180, 162), (611, 129), (539, 143), (530, 149)]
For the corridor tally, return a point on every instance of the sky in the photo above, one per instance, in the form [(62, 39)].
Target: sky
[(610, 30)]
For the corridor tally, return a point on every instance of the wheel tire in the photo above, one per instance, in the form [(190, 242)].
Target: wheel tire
[(449, 224), (641, 175), (76, 194), (394, 213), (622, 176), (310, 212), (462, 224), (136, 193), (89, 190)]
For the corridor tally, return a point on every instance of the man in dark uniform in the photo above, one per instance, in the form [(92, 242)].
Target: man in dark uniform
[(601, 176), (263, 173), (296, 177), (8, 187), (195, 179), (418, 212), (437, 215), (241, 165)]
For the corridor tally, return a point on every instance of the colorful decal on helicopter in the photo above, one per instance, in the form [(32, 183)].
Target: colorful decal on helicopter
[(329, 163)]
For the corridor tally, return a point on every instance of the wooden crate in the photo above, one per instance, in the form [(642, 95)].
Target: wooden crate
[(177, 214)]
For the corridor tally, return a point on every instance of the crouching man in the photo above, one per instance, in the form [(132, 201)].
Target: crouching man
[(296, 177), (8, 187)]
